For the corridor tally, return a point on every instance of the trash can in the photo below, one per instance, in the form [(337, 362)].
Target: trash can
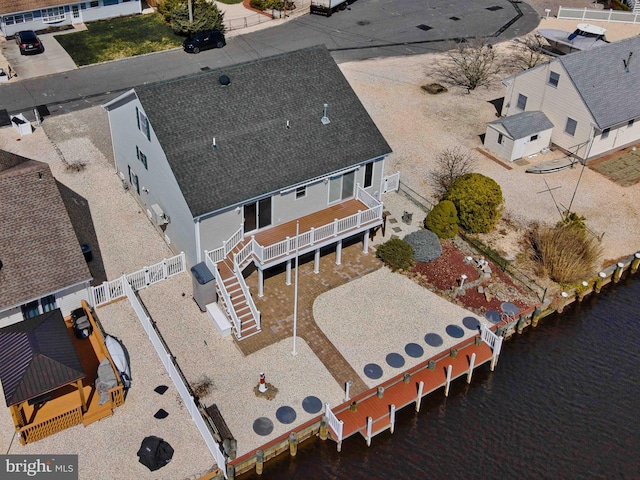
[(86, 251), (204, 286)]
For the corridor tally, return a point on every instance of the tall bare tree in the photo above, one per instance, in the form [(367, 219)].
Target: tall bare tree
[(526, 53), (470, 65)]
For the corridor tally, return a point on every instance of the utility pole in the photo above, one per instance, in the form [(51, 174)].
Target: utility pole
[(190, 12)]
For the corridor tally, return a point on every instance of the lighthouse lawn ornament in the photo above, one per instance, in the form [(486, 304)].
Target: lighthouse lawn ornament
[(262, 386)]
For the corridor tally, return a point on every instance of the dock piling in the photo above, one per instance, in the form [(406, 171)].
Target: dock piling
[(293, 444), (380, 392), (369, 426), (446, 386), (392, 418), (471, 365), (419, 399), (635, 262), (323, 427), (618, 272), (259, 461)]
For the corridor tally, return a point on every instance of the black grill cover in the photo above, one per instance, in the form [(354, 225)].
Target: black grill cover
[(155, 453)]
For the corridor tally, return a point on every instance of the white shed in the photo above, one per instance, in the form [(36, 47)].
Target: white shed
[(519, 135)]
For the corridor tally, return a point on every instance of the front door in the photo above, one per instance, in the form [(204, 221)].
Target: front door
[(75, 11), (257, 215)]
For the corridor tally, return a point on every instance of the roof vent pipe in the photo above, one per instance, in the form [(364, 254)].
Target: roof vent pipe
[(627, 62), (325, 120)]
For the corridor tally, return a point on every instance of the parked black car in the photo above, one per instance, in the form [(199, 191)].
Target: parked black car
[(204, 40), (28, 42)]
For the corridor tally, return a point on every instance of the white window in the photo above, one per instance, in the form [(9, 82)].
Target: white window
[(522, 102), (570, 127), (20, 18), (341, 186), (533, 138), (142, 157), (554, 78), (368, 175), (53, 14), (143, 123), (605, 133), (500, 138)]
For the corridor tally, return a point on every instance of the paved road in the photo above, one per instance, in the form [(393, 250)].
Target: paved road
[(368, 29)]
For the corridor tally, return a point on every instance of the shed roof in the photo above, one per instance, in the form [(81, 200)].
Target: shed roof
[(37, 356), (524, 124), (39, 249), (267, 126)]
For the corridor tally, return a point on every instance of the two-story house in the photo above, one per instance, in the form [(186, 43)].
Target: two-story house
[(230, 163), (586, 98), (41, 263), (41, 14)]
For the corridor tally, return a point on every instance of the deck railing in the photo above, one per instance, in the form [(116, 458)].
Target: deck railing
[(245, 291), (335, 424), (222, 290), (68, 419), (114, 289)]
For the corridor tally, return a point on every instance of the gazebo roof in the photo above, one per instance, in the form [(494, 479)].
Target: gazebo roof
[(37, 356)]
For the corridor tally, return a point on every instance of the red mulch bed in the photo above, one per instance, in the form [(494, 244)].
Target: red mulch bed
[(443, 275)]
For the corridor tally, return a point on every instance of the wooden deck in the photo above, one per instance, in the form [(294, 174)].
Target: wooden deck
[(278, 233), (64, 409), (399, 393)]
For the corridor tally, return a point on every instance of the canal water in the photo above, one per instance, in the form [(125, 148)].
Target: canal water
[(562, 403)]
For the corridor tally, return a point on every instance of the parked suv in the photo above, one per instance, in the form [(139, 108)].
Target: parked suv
[(204, 40), (28, 42)]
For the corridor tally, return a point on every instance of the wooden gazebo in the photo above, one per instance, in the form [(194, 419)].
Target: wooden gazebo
[(48, 375)]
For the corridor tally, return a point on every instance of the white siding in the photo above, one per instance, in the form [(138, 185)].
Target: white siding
[(71, 298), (11, 316), (558, 103)]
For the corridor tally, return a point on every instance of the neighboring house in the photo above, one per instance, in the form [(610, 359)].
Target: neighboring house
[(41, 263), (229, 160), (42, 14), (586, 97), (519, 135)]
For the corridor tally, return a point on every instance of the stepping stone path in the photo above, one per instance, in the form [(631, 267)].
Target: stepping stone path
[(395, 360), (263, 426), (311, 404), (373, 371)]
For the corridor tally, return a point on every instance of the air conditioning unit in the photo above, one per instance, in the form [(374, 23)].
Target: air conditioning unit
[(158, 215)]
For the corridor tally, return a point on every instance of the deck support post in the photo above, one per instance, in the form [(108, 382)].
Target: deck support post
[(365, 242), (231, 472), (419, 398), (293, 444), (83, 401), (288, 273), (259, 461), (369, 427), (260, 283), (617, 275), (323, 428), (448, 383), (392, 418), (635, 262), (339, 253), (471, 365), (316, 261), (496, 353)]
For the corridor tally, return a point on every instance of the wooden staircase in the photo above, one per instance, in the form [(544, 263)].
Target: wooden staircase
[(239, 304)]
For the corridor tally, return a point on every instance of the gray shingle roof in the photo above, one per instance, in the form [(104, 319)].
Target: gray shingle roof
[(38, 246), (524, 124), (36, 357), (600, 77), (256, 153)]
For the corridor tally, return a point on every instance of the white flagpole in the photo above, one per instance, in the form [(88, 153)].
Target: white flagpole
[(295, 293)]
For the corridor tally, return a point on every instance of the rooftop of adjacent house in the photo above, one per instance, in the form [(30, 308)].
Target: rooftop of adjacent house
[(524, 124), (11, 6), (266, 119), (36, 357), (39, 249), (605, 78)]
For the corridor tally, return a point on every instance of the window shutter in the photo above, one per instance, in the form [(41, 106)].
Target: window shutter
[(138, 118), (148, 130)]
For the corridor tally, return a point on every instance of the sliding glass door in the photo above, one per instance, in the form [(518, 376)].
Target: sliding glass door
[(257, 215)]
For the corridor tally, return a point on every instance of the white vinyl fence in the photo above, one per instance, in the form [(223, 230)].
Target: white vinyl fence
[(598, 15), (114, 289), (335, 424), (176, 376)]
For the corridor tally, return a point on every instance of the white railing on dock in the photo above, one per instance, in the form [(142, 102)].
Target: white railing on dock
[(174, 374), (114, 289), (614, 16), (335, 424), (494, 341)]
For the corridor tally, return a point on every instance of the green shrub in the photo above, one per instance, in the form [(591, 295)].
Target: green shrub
[(443, 219), (206, 16), (566, 253), (426, 245), (478, 200), (257, 4), (396, 254)]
